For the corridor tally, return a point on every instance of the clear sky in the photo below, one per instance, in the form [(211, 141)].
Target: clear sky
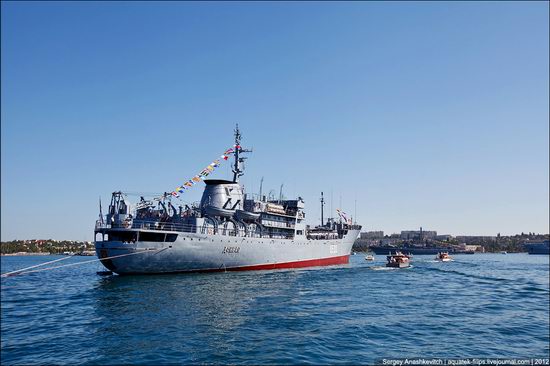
[(431, 114)]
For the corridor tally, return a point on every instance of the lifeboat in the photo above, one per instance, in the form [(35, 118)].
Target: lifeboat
[(275, 208)]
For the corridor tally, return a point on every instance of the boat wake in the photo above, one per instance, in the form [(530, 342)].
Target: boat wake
[(380, 268)]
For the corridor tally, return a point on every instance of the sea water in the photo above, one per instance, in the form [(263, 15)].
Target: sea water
[(481, 305)]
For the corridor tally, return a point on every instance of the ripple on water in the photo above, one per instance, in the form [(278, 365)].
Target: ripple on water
[(476, 306)]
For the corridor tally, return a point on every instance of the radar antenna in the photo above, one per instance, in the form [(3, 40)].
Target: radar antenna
[(238, 168)]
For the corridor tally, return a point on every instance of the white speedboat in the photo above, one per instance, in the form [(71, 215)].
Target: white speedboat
[(443, 257), (398, 260)]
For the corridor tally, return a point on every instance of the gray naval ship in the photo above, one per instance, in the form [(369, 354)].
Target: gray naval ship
[(228, 231), (538, 248)]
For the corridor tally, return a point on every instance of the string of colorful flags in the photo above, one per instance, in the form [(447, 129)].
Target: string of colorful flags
[(210, 168), (204, 173)]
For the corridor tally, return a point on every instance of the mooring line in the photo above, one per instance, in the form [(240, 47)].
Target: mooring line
[(38, 265), (24, 271)]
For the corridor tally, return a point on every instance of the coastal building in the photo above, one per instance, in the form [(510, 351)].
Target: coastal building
[(389, 241), (475, 248), (418, 234), (368, 239)]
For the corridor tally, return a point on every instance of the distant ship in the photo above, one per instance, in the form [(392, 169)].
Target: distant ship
[(228, 231), (538, 248), (417, 250)]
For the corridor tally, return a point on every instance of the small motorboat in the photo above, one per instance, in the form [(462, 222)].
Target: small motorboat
[(443, 257), (369, 257), (398, 260), (504, 252)]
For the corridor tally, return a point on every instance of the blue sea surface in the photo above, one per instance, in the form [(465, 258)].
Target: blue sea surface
[(482, 305)]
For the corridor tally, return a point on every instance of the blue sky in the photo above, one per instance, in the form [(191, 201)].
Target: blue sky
[(426, 114)]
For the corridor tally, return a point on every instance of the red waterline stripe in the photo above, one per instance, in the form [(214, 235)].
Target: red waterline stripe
[(344, 259)]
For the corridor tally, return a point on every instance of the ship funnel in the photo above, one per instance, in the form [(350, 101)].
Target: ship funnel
[(221, 198)]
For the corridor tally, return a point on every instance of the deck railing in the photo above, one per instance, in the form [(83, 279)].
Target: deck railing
[(189, 228), (209, 230)]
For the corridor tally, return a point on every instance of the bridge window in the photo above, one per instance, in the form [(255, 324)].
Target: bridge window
[(148, 236), (124, 236)]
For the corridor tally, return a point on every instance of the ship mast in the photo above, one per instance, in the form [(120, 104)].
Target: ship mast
[(237, 168), (322, 204)]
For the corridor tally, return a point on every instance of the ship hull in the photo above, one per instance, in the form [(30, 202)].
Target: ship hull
[(416, 250), (538, 248), (195, 252)]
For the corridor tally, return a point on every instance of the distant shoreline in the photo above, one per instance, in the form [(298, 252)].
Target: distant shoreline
[(25, 254), (45, 247), (28, 254)]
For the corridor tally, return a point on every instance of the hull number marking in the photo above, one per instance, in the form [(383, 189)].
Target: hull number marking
[(229, 250)]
